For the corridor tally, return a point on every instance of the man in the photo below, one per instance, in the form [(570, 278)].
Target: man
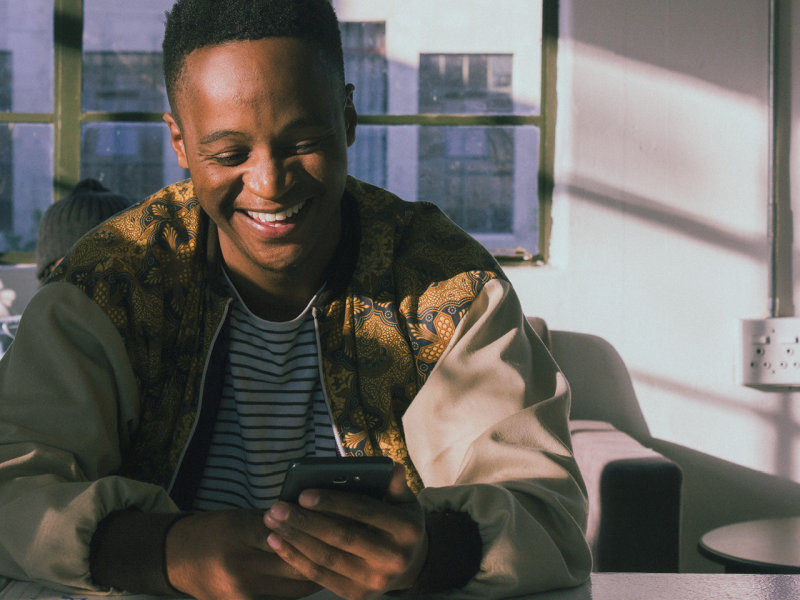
[(142, 457), (87, 205)]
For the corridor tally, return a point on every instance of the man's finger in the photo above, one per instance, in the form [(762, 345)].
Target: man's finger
[(398, 486), (298, 525), (339, 572), (400, 521)]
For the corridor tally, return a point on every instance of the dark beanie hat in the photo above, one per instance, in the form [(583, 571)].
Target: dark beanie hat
[(64, 222)]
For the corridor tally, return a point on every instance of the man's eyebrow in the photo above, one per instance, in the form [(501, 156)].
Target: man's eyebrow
[(299, 123), (218, 135)]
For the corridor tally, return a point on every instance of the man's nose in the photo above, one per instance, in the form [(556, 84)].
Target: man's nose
[(267, 177)]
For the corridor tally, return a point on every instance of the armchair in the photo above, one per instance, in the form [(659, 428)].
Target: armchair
[(634, 492)]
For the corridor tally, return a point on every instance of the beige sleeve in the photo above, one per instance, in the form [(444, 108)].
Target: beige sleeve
[(489, 436), (68, 397)]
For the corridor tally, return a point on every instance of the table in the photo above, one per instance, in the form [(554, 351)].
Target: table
[(602, 586), (680, 586), (762, 546)]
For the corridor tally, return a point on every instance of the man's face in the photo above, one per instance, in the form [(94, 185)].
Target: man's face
[(264, 131)]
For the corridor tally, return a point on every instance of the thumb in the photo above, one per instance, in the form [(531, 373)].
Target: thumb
[(398, 487)]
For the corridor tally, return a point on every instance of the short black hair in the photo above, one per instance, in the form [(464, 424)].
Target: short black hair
[(194, 24)]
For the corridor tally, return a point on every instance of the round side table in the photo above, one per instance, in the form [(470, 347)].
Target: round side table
[(762, 546)]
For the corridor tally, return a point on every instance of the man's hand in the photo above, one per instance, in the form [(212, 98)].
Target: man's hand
[(356, 546), (224, 554)]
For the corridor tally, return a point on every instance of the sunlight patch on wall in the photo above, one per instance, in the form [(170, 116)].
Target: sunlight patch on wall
[(677, 140)]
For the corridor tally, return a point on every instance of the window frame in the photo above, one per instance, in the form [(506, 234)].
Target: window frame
[(68, 117), (544, 121)]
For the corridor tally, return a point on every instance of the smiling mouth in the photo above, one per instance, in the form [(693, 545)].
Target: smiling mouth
[(275, 219)]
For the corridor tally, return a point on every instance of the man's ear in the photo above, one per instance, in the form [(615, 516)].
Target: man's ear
[(176, 139), (350, 115)]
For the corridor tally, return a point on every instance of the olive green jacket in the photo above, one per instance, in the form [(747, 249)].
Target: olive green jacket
[(425, 357)]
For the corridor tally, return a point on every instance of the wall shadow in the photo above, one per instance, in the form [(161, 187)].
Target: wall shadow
[(655, 30), (665, 36), (667, 217)]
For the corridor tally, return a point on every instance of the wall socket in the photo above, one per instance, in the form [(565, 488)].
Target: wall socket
[(769, 356)]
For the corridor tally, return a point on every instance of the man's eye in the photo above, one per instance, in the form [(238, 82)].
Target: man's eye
[(229, 159), (306, 147)]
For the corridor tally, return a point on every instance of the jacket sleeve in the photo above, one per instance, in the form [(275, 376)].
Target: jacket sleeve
[(68, 399), (488, 433)]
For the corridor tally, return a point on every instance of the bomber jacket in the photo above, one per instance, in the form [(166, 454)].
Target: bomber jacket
[(424, 353)]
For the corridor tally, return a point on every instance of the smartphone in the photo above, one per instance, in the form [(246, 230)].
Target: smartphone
[(368, 475)]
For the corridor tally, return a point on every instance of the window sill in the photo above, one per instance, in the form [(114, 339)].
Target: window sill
[(17, 258), (516, 256)]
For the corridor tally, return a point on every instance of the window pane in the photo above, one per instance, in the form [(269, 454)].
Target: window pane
[(367, 157), (122, 81), (26, 175), (400, 34), (469, 173), (364, 46), (482, 177), (135, 159), (122, 55), (465, 83), (26, 56)]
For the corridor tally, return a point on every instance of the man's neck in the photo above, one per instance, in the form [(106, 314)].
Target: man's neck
[(282, 300)]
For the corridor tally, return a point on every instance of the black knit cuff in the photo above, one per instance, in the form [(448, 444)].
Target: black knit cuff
[(127, 552), (454, 556)]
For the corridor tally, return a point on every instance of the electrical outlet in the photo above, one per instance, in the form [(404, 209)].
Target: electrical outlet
[(769, 356)]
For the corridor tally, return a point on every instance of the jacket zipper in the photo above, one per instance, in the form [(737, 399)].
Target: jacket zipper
[(339, 446), (200, 395)]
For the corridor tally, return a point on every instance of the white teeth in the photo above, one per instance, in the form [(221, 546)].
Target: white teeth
[(281, 215)]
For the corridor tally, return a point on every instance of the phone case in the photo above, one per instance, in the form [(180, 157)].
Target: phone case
[(369, 475)]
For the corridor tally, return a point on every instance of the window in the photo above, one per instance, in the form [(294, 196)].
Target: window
[(364, 46), (123, 141), (26, 120), (455, 101), (66, 114), (469, 171), (456, 106), (126, 156)]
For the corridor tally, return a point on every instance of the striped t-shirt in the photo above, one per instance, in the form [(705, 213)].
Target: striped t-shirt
[(272, 411)]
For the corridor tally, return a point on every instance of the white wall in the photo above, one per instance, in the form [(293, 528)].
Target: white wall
[(659, 237)]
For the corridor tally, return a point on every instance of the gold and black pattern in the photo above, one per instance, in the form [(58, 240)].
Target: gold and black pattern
[(416, 277), (430, 329), (142, 268)]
